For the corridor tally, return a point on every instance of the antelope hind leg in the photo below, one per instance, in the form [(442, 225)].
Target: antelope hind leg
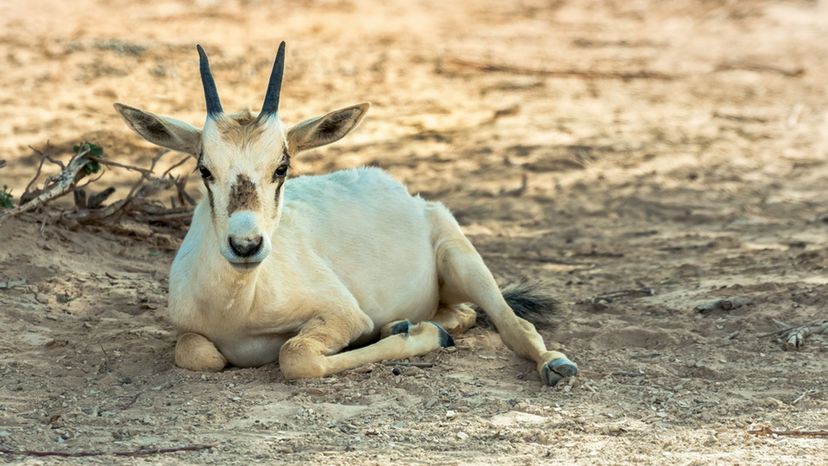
[(466, 278), (196, 353)]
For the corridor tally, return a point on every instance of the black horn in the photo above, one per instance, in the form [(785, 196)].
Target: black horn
[(210, 92), (274, 87)]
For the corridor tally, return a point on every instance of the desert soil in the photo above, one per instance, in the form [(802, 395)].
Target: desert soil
[(597, 146)]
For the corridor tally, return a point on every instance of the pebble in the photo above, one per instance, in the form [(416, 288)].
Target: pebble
[(462, 435), (42, 298)]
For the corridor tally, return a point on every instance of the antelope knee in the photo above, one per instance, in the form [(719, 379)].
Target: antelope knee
[(301, 360), (197, 353)]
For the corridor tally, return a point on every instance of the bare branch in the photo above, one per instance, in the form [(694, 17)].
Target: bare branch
[(793, 337), (409, 364), (113, 163), (60, 185), (45, 155), (27, 193), (175, 165), (82, 453), (560, 73), (764, 431), (96, 200)]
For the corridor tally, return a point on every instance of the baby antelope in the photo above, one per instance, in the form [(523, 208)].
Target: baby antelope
[(300, 269)]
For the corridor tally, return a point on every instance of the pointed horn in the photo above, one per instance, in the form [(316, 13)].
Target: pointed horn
[(274, 87), (210, 92)]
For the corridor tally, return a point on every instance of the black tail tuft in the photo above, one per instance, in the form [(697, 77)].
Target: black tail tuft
[(529, 301)]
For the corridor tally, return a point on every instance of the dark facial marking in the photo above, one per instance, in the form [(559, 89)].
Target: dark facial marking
[(242, 195), (210, 197), (279, 184), (207, 185)]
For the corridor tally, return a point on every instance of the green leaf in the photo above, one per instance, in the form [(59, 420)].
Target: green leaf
[(93, 150), (92, 167), (6, 198)]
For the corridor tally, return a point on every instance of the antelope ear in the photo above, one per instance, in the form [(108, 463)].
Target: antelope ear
[(326, 129), (162, 131)]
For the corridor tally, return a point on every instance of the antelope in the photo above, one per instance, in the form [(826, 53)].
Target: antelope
[(322, 273)]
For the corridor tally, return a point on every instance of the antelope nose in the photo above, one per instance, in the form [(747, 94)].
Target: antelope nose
[(246, 247)]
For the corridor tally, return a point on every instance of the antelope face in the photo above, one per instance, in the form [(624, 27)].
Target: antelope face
[(244, 165), (243, 160)]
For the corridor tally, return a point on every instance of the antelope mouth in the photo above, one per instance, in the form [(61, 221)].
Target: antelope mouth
[(245, 265), (242, 264)]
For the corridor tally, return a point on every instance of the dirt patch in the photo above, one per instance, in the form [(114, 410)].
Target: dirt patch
[(599, 146)]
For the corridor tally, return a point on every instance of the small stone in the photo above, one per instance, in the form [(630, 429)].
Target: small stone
[(42, 298), (450, 414), (462, 435), (396, 371), (771, 402)]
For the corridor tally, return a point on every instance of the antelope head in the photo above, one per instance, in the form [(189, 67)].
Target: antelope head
[(243, 160)]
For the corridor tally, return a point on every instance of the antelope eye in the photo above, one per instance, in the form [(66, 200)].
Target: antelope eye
[(205, 173), (280, 172)]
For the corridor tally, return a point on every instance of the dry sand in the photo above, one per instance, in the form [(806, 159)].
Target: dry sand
[(679, 146)]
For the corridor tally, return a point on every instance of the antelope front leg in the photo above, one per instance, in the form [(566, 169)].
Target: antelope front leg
[(311, 353), (196, 353)]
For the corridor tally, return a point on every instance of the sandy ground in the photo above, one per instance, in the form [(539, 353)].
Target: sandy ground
[(701, 175)]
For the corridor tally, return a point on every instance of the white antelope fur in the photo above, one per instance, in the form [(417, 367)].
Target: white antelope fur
[(352, 239)]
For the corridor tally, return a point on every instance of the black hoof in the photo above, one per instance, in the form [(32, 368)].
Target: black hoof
[(400, 327), (558, 369), (445, 339)]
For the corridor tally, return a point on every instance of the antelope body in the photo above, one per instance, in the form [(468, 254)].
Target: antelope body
[(296, 270)]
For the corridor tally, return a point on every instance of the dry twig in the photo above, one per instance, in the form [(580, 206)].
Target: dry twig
[(60, 185), (81, 454), (761, 68), (27, 192), (409, 364), (560, 73), (131, 215), (803, 395), (175, 165), (131, 402), (765, 431), (113, 163), (793, 337)]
